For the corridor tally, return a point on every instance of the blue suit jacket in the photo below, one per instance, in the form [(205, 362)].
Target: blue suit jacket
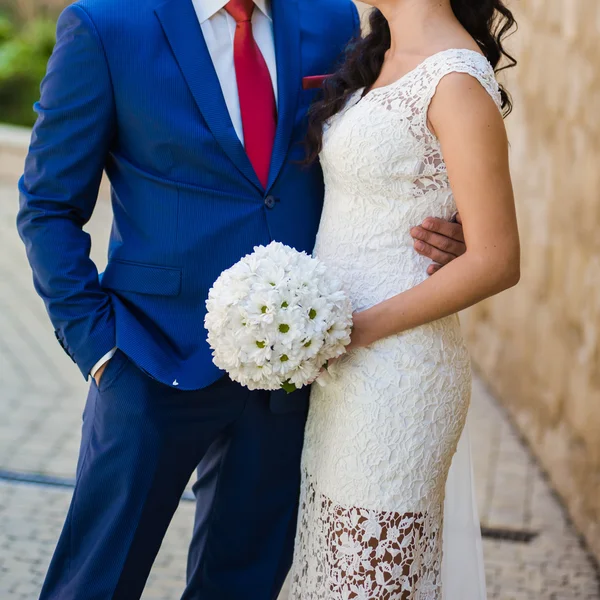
[(131, 90)]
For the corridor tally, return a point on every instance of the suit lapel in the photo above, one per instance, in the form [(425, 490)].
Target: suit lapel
[(182, 29), (286, 23)]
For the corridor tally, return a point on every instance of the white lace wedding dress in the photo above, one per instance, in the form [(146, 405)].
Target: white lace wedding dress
[(382, 435)]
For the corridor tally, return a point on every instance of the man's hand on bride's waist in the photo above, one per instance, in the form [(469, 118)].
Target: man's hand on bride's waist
[(440, 240)]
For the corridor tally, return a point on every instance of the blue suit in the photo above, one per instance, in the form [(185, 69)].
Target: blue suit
[(131, 90)]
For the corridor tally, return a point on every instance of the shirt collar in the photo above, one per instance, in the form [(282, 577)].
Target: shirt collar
[(206, 9)]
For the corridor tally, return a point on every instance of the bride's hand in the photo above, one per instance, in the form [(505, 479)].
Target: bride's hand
[(361, 336), (362, 331)]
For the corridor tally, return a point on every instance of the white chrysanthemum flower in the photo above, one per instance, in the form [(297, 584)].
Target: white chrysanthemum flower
[(306, 371), (276, 317), (262, 305)]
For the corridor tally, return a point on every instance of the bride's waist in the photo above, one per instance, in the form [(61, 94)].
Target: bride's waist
[(358, 252), (434, 343), (370, 279)]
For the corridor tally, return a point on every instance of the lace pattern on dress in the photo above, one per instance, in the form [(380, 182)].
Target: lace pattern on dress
[(365, 554), (409, 99)]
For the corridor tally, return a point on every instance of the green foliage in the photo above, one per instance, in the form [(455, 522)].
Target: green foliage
[(24, 52), (7, 29), (288, 387)]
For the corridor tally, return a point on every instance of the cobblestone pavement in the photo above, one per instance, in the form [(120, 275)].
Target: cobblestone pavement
[(41, 399)]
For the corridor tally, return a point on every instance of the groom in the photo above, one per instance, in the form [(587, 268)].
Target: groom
[(195, 109)]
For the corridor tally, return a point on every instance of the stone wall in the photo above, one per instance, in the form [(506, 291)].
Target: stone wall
[(538, 346)]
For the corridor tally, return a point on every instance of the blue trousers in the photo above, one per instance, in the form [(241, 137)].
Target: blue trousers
[(141, 443)]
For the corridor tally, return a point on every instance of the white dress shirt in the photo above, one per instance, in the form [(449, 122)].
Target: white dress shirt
[(218, 28)]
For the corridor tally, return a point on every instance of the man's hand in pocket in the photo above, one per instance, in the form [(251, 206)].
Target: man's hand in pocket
[(100, 371)]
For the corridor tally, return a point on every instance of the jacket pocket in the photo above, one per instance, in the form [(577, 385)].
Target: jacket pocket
[(140, 278)]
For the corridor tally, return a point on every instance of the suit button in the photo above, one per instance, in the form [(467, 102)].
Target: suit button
[(270, 201)]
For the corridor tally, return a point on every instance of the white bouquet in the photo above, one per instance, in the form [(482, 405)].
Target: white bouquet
[(275, 318)]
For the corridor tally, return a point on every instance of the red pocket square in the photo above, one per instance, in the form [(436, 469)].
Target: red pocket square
[(314, 82)]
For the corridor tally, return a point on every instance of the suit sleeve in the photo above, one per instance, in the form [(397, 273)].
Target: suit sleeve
[(59, 189), (355, 20)]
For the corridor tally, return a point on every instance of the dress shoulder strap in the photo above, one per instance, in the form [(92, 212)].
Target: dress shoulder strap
[(459, 61)]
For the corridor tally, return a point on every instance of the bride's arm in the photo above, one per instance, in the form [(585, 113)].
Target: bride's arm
[(475, 148)]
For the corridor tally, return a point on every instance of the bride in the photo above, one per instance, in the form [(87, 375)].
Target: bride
[(409, 126)]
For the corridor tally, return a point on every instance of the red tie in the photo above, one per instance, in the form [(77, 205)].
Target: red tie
[(255, 88)]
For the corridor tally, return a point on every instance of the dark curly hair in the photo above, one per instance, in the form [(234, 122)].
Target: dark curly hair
[(487, 21)]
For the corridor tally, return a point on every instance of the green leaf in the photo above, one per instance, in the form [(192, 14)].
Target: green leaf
[(288, 387)]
